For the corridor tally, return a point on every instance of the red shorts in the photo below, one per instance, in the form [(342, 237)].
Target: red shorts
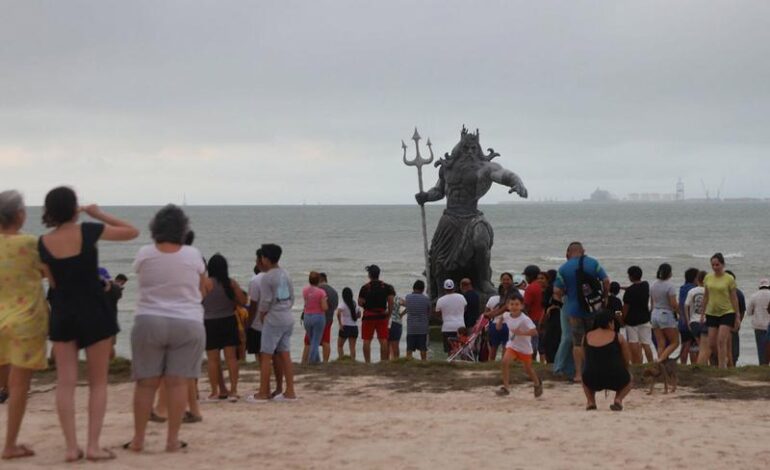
[(325, 339), (368, 327), (512, 354)]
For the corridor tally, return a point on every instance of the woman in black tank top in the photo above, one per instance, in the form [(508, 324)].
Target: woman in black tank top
[(606, 362)]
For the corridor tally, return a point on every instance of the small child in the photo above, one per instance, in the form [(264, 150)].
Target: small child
[(462, 335), (519, 346)]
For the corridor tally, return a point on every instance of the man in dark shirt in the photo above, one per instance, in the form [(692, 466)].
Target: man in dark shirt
[(377, 299), (333, 300), (113, 291), (636, 316), (472, 309)]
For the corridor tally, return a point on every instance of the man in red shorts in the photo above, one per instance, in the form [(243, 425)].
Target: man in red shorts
[(376, 298)]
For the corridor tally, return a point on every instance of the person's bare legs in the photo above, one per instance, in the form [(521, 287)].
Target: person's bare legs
[(144, 395), (648, 353), (265, 364), (305, 355), (352, 345), (278, 376), (395, 352), (327, 351), (590, 396), (704, 350), (577, 355), (176, 388), (505, 366), (636, 352), (619, 396), (4, 375), (424, 355), (98, 363), (530, 371), (192, 397), (724, 334), (660, 341), (383, 349), (340, 347), (18, 387), (670, 335), (66, 355), (212, 367), (288, 373), (231, 358), (161, 407), (367, 351), (685, 353), (492, 353)]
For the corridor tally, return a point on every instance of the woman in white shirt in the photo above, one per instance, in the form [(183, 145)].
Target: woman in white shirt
[(168, 337), (347, 316)]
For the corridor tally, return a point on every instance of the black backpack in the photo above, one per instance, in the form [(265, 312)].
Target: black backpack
[(590, 293)]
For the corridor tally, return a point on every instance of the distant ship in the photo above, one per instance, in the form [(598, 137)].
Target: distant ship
[(601, 195)]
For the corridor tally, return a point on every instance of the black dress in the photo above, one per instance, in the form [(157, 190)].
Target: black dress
[(79, 308), (604, 368)]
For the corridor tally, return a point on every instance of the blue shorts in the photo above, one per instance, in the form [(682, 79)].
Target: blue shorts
[(663, 319), (276, 339), (497, 338)]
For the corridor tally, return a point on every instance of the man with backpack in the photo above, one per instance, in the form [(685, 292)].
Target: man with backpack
[(586, 285)]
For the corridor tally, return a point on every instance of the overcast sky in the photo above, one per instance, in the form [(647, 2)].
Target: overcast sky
[(280, 102)]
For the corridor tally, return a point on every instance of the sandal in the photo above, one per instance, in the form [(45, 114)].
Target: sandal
[(23, 451), (191, 418), (108, 455), (591, 407), (616, 407), (502, 392), (155, 418)]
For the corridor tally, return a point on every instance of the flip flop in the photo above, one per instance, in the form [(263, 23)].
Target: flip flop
[(155, 418), (25, 452), (182, 445), (282, 397), (191, 418), (233, 398), (110, 456), (276, 393), (127, 446), (502, 392), (616, 407), (251, 399), (78, 458), (590, 407)]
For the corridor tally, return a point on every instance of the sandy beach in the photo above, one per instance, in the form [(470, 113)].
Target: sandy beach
[(433, 417)]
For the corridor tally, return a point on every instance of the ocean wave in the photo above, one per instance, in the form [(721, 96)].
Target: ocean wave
[(735, 255)]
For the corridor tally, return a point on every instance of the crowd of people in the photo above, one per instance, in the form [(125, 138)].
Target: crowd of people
[(573, 318)]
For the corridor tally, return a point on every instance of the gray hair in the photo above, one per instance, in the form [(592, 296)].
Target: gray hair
[(11, 203), (170, 225)]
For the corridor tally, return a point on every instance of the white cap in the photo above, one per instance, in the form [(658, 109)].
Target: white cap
[(449, 284), (764, 282), (518, 279)]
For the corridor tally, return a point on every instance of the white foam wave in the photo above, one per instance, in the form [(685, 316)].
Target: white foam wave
[(726, 255)]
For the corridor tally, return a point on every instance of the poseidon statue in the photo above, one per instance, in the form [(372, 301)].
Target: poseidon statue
[(462, 243)]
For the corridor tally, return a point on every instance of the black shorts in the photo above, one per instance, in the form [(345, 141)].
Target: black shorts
[(728, 319), (416, 343), (221, 333), (394, 333), (686, 335), (253, 341), (84, 327), (348, 331)]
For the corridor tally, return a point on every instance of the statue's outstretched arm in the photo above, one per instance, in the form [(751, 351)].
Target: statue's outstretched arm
[(436, 193), (507, 178)]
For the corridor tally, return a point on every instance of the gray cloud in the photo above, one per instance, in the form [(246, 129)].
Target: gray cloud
[(285, 102)]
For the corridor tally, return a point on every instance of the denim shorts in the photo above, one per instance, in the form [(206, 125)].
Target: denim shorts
[(276, 339), (663, 319)]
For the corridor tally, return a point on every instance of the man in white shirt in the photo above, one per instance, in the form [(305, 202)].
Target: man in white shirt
[(451, 307), (760, 318)]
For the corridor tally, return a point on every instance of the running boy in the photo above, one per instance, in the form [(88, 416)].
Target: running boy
[(519, 347)]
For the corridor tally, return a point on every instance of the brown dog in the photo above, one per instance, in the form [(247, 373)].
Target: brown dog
[(665, 371)]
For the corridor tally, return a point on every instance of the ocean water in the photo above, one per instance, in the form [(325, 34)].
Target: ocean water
[(342, 240)]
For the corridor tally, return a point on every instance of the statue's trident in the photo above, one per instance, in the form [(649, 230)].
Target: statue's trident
[(418, 161)]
